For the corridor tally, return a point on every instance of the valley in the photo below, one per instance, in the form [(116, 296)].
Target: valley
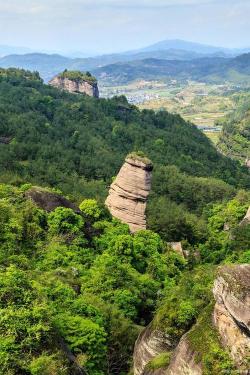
[(124, 231), (203, 104)]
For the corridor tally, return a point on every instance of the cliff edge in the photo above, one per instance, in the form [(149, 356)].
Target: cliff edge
[(76, 82)]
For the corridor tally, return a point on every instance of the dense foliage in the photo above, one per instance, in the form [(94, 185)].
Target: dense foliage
[(235, 137), (76, 287), (77, 144), (77, 76)]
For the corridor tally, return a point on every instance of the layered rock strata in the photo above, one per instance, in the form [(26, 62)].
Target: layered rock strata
[(149, 344), (232, 312), (128, 194), (184, 360), (230, 318), (74, 86)]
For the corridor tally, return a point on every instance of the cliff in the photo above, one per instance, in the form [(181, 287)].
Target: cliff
[(223, 328), (232, 312), (149, 344), (76, 82), (246, 219), (128, 194)]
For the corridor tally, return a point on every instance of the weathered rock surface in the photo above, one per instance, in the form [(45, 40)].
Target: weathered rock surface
[(246, 219), (82, 87), (232, 312), (149, 344), (129, 192), (184, 360), (49, 201), (231, 319), (177, 247)]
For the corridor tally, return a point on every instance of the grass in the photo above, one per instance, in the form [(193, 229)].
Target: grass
[(139, 155), (77, 76), (204, 340), (160, 361)]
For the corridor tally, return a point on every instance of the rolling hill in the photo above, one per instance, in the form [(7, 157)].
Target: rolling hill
[(49, 65), (211, 69)]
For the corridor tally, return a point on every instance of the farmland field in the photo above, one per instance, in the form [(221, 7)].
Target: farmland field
[(202, 104)]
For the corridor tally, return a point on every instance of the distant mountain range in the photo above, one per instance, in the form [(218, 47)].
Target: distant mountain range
[(179, 44), (149, 60), (7, 50), (210, 69)]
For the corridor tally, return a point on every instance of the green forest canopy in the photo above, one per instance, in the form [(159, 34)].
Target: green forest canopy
[(77, 144), (76, 287)]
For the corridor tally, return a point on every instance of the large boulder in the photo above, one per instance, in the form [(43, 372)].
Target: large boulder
[(149, 344), (184, 360), (224, 326), (232, 312), (48, 200), (129, 192)]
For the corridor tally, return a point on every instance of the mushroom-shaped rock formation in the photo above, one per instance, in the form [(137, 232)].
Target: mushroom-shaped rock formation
[(76, 82), (129, 192)]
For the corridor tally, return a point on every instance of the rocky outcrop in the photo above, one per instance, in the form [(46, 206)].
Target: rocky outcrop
[(232, 312), (184, 360), (228, 323), (246, 219), (149, 344), (48, 200), (129, 192), (75, 86), (177, 247), (153, 342)]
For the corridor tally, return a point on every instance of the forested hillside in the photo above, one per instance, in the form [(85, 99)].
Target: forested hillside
[(77, 144), (76, 287), (208, 69), (235, 139)]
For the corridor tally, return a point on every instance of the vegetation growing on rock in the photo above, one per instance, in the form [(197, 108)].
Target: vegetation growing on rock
[(76, 287), (78, 76)]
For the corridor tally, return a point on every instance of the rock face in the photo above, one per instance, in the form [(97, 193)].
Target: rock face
[(82, 87), (183, 361), (129, 192), (246, 219), (232, 312), (230, 318), (149, 344), (49, 201)]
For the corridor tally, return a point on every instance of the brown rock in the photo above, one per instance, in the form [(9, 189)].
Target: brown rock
[(184, 360), (232, 312), (129, 192), (48, 200), (177, 247), (149, 344), (246, 219), (82, 87)]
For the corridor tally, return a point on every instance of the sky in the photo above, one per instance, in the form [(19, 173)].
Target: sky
[(106, 26)]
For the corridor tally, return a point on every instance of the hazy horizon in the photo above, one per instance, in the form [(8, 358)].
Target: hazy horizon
[(108, 26)]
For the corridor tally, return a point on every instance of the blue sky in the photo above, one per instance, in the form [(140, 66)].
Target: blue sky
[(103, 26)]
